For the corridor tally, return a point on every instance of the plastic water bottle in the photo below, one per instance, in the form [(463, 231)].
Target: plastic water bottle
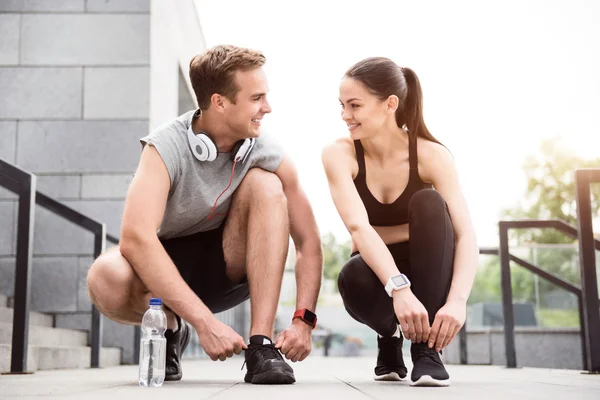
[(153, 346)]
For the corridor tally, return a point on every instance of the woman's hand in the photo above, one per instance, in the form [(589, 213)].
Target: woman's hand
[(412, 315), (448, 321)]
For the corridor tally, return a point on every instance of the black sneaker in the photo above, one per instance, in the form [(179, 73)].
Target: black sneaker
[(428, 369), (390, 364), (176, 344), (265, 363)]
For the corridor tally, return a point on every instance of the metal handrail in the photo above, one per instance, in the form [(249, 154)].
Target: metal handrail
[(587, 329), (23, 184), (494, 251)]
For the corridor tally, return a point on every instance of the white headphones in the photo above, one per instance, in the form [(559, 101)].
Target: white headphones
[(205, 149)]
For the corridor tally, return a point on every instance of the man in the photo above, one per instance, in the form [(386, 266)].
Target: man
[(206, 226)]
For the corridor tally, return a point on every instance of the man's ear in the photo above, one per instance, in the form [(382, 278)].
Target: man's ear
[(218, 102)]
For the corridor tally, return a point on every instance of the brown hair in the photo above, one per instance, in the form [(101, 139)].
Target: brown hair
[(383, 78), (214, 71)]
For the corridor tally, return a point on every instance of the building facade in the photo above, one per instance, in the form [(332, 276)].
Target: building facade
[(81, 81)]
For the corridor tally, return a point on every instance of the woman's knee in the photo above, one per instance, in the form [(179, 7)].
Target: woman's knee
[(355, 278), (364, 296), (427, 204), (111, 282)]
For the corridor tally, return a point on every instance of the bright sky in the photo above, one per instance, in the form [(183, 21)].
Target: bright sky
[(498, 77)]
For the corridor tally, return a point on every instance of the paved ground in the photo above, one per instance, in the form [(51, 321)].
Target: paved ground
[(317, 378)]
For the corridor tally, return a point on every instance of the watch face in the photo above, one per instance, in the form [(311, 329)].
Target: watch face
[(309, 316), (399, 280)]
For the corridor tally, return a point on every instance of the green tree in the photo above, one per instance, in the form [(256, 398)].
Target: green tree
[(335, 255), (551, 192), (487, 286)]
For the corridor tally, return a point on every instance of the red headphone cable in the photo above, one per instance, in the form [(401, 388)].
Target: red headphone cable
[(228, 186)]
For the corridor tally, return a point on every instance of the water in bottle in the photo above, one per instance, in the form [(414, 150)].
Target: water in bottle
[(153, 345)]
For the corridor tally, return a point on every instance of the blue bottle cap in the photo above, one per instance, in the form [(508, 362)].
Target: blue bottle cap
[(155, 301)]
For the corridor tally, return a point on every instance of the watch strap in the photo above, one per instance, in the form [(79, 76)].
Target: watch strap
[(307, 316)]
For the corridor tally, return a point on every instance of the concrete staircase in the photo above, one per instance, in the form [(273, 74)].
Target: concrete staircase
[(49, 347)]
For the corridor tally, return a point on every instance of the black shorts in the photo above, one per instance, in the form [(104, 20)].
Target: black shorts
[(201, 262)]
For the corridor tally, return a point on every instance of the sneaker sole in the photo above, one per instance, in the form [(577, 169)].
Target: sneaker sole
[(271, 377), (428, 381), (186, 341), (392, 376)]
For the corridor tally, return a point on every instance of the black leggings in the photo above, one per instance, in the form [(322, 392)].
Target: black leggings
[(427, 259)]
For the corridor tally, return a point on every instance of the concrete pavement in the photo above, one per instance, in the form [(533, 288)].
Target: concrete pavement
[(316, 378)]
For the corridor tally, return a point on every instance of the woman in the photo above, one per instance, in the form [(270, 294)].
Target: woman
[(414, 251)]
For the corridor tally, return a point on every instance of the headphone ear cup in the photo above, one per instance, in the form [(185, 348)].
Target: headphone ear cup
[(242, 150), (210, 146), (236, 150), (202, 146)]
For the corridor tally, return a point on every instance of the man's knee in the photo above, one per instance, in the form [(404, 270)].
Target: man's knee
[(263, 186), (110, 282)]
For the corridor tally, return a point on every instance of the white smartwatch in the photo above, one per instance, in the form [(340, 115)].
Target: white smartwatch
[(396, 283)]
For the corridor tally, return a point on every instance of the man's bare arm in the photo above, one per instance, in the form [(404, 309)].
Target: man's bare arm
[(305, 234), (144, 209)]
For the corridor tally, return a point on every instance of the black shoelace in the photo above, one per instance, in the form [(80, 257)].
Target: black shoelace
[(422, 350), (267, 349)]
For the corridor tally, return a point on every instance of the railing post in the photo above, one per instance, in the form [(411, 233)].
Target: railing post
[(462, 342), (507, 306), (582, 326), (25, 224), (96, 333), (137, 336), (587, 259)]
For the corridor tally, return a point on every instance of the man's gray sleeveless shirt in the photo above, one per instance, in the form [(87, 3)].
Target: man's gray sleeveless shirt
[(195, 185)]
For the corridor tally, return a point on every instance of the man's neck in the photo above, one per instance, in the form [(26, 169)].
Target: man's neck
[(217, 131)]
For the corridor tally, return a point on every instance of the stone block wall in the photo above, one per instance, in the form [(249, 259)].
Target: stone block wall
[(75, 94)]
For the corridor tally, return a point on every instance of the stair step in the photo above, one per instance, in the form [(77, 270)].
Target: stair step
[(46, 336), (60, 357), (35, 318)]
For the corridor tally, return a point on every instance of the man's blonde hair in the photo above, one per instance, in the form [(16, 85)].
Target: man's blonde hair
[(214, 71)]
